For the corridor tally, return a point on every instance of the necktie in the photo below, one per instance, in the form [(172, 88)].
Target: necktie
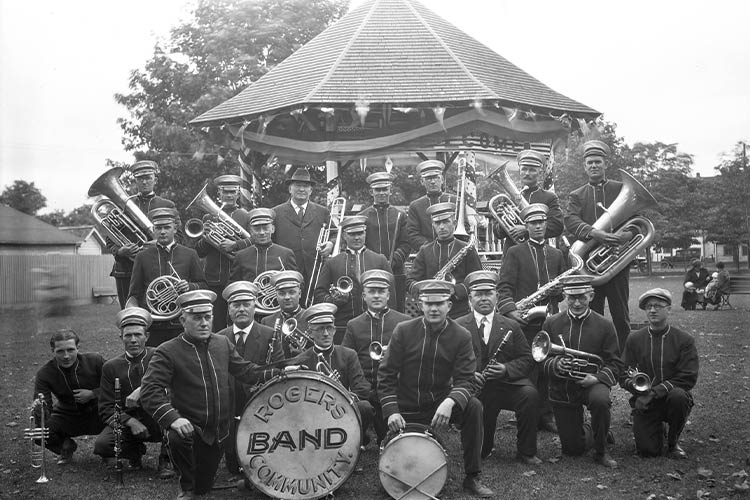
[(301, 214), (240, 345), (482, 325)]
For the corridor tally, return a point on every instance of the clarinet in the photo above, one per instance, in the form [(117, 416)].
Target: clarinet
[(479, 385), (276, 330), (117, 426)]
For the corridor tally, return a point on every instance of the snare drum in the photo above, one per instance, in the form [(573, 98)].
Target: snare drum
[(298, 437), (413, 464)]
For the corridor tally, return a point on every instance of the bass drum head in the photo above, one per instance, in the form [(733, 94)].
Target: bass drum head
[(413, 465), (299, 436)]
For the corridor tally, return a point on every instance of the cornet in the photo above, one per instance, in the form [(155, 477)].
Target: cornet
[(322, 366), (565, 363), (640, 381), (343, 286), (294, 336), (377, 350), (32, 433)]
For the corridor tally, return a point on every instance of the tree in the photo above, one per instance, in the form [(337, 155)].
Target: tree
[(226, 45), (24, 197), (80, 216)]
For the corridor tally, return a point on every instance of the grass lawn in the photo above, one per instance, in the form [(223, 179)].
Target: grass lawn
[(717, 437)]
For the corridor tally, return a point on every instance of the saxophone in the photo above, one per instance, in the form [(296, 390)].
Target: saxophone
[(445, 272), (526, 306)]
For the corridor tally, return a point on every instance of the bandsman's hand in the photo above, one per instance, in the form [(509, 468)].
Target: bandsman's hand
[(442, 416), (128, 251), (292, 368), (133, 399), (183, 427), (517, 232), (495, 371), (516, 316), (338, 297), (605, 238), (227, 246), (479, 378), (396, 422), (623, 237), (588, 381), (137, 428), (326, 249), (182, 286), (83, 396)]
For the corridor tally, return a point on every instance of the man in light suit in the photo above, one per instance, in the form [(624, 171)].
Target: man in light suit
[(504, 365)]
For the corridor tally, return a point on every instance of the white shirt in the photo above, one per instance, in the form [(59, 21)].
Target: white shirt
[(297, 207), (243, 331), (487, 323)]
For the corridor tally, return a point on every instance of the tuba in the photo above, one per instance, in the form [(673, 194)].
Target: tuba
[(506, 207), (527, 305), (118, 215), (41, 433), (564, 362), (161, 297), (218, 228), (338, 208), (377, 350), (603, 261), (266, 301)]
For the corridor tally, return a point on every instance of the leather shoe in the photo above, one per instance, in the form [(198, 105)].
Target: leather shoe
[(476, 488), (487, 454), (605, 460), (165, 469), (66, 451), (610, 438), (185, 495), (676, 452), (528, 460)]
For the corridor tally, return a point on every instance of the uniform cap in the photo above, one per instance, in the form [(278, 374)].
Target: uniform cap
[(481, 280), (379, 179), (531, 158), (435, 290), (196, 301), (534, 212), (440, 211), (577, 284), (228, 182), (595, 148), (318, 314), (655, 293), (144, 167), (376, 278), (240, 290), (300, 175), (430, 167), (133, 316), (162, 215), (354, 223), (262, 216), (287, 279)]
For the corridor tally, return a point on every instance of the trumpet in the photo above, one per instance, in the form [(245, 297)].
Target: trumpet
[(377, 350), (338, 208), (322, 366), (294, 336), (34, 432), (639, 380), (343, 286), (564, 362)]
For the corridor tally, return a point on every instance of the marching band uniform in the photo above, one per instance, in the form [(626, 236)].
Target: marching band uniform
[(418, 222), (433, 256), (514, 390), (583, 211), (594, 334), (218, 265), (261, 257), (351, 263), (384, 223), (286, 280), (177, 386), (669, 357), (158, 260), (368, 327)]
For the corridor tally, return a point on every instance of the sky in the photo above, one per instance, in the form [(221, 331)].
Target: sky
[(670, 71)]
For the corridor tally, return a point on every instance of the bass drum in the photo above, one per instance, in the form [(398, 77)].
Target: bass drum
[(299, 436), (413, 464)]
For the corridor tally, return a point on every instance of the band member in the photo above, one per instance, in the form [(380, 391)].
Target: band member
[(264, 255), (165, 258), (352, 263), (581, 329), (374, 325), (427, 376), (386, 231), (73, 378), (145, 179), (531, 167), (339, 360), (433, 256), (138, 427), (288, 286), (190, 403), (667, 354), (299, 222), (254, 342), (525, 269), (584, 208), (504, 367), (419, 227), (218, 262)]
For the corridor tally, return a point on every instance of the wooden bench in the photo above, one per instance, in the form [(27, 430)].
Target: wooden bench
[(739, 284), (104, 293)]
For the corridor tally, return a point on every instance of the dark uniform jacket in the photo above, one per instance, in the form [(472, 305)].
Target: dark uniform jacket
[(525, 268), (153, 261), (423, 366), (555, 221), (130, 371), (593, 334), (190, 379), (381, 230), (123, 265), (300, 238), (432, 257), (367, 328), (583, 210), (270, 321), (345, 264), (515, 355), (218, 266), (669, 357), (418, 224), (86, 373), (257, 259), (343, 360)]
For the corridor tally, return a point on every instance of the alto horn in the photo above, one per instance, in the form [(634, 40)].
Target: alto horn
[(604, 262), (565, 363), (41, 433), (377, 350)]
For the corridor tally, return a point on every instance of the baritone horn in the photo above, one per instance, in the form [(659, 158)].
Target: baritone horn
[(41, 433), (641, 381), (377, 350), (506, 207), (603, 261), (564, 362), (218, 227)]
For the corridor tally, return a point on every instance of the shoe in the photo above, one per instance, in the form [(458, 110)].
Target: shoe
[(473, 486), (547, 424), (108, 462), (185, 495), (610, 438), (528, 460), (487, 454), (165, 469), (135, 463), (605, 460), (676, 452), (66, 451)]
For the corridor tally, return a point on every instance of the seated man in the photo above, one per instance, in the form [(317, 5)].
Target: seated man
[(667, 354), (137, 426), (504, 367), (288, 286), (74, 379), (339, 359)]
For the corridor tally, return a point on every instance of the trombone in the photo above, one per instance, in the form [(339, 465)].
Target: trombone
[(32, 433), (338, 208)]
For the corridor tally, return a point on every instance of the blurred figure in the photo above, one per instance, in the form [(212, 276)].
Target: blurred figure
[(695, 281)]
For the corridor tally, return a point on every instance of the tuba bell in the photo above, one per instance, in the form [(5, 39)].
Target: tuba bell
[(506, 207), (266, 301), (218, 227), (563, 362), (603, 261), (377, 350)]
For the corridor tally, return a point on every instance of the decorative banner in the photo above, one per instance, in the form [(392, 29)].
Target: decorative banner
[(363, 164), (333, 181), (250, 191)]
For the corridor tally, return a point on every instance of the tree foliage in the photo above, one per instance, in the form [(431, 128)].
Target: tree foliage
[(24, 197), (225, 46), (80, 216)]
